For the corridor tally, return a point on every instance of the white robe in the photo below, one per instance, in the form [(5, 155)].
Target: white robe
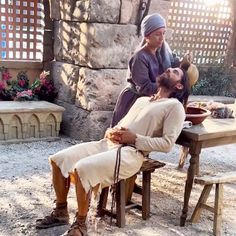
[(157, 125)]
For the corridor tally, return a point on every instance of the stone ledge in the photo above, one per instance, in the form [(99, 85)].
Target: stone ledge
[(29, 140), (24, 121), (206, 98), (22, 64), (28, 106)]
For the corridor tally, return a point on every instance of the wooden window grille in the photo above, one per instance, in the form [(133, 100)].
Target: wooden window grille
[(202, 27), (21, 30)]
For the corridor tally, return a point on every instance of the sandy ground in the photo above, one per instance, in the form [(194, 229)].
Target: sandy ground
[(26, 194)]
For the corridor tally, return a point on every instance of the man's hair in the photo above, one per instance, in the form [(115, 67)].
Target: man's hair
[(182, 94)]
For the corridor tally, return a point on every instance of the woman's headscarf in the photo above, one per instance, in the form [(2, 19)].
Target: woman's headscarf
[(151, 23)]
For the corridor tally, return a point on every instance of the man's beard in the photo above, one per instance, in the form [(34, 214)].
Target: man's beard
[(164, 81)]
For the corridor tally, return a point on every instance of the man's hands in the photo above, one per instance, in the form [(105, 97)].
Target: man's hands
[(113, 135), (120, 136)]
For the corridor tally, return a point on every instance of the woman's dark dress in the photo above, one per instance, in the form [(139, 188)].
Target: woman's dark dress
[(143, 70)]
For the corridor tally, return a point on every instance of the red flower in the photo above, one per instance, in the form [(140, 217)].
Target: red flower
[(6, 76), (25, 92), (2, 85), (21, 83), (43, 81)]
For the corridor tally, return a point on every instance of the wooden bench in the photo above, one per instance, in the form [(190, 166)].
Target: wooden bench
[(149, 166), (208, 182)]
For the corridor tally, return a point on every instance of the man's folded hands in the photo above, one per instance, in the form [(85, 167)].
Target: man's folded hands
[(120, 136)]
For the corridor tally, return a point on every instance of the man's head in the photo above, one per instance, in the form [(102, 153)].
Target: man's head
[(175, 81)]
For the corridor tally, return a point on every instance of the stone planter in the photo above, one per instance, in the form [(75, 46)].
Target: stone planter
[(29, 121)]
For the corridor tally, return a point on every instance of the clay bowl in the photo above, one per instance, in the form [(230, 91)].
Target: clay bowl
[(196, 115)]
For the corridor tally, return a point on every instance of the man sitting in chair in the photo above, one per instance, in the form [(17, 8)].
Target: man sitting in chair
[(152, 124)]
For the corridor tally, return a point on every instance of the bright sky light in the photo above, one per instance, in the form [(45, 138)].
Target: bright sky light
[(212, 2)]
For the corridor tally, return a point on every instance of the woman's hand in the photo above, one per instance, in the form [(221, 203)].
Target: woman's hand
[(188, 57), (154, 98)]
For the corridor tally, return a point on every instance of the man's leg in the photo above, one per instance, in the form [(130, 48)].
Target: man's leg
[(78, 228), (82, 198), (61, 184), (59, 215)]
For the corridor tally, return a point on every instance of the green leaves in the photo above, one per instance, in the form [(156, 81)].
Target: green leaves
[(214, 80)]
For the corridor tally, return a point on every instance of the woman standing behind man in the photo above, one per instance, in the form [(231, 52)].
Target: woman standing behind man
[(149, 61)]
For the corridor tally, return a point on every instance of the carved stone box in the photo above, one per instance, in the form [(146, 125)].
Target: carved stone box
[(29, 121)]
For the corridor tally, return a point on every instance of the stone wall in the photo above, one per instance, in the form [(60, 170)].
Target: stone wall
[(93, 41)]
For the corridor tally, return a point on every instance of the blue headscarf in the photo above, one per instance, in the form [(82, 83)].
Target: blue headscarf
[(151, 23)]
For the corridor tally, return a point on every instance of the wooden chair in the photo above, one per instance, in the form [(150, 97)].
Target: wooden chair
[(147, 168), (208, 182)]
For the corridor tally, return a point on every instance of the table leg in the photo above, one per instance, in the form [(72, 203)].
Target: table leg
[(194, 151), (183, 156)]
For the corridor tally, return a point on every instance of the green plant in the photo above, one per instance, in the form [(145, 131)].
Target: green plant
[(214, 80)]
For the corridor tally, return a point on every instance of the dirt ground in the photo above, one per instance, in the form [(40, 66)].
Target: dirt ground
[(26, 194)]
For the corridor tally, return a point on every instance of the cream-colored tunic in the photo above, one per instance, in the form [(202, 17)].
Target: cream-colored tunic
[(157, 125)]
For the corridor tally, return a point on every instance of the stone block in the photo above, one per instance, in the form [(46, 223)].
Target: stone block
[(65, 77), (129, 11), (106, 11), (99, 89), (160, 6), (29, 121), (84, 125), (95, 45)]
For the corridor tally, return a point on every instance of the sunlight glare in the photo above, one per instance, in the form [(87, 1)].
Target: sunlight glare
[(212, 2)]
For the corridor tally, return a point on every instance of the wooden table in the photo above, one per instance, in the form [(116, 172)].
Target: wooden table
[(211, 133)]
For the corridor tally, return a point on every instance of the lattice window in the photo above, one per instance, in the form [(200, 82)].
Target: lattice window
[(21, 30), (203, 27)]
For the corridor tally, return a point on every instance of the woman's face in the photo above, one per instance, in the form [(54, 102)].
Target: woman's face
[(156, 38)]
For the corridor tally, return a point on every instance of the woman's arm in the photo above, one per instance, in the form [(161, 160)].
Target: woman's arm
[(140, 73)]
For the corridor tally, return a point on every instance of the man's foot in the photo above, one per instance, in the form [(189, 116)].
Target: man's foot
[(59, 216), (78, 228)]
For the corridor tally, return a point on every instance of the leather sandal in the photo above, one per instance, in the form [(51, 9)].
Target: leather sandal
[(56, 218), (78, 228)]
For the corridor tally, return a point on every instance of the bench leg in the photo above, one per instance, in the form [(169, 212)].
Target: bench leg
[(218, 210), (146, 194), (102, 201), (120, 204), (203, 198)]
